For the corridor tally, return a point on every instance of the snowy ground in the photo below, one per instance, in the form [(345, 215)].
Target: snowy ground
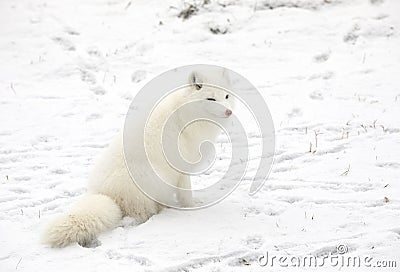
[(329, 71)]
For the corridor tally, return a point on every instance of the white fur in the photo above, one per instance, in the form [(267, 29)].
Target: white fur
[(111, 192), (92, 215)]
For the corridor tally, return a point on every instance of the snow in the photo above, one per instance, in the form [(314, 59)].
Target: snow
[(328, 71)]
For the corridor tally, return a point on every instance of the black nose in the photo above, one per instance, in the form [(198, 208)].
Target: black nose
[(211, 99)]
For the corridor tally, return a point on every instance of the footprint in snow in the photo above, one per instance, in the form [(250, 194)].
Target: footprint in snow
[(138, 75), (88, 77), (98, 90), (322, 57), (71, 31), (64, 43), (254, 241), (316, 95)]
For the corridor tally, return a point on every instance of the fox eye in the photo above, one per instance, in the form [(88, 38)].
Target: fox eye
[(198, 86), (227, 96)]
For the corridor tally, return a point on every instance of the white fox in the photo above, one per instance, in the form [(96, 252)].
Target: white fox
[(111, 192)]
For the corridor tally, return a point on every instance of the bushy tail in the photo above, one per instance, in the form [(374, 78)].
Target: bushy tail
[(94, 214)]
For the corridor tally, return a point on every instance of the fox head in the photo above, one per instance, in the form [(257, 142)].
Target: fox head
[(207, 88)]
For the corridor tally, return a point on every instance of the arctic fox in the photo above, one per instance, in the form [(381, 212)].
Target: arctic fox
[(111, 192)]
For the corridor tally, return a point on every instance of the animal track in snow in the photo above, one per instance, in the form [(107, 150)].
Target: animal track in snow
[(64, 43)]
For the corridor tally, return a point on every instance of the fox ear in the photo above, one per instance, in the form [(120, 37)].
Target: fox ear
[(195, 81)]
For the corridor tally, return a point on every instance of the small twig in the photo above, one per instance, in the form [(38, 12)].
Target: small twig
[(12, 88), (364, 128), (128, 5), (316, 138), (16, 267), (346, 172)]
